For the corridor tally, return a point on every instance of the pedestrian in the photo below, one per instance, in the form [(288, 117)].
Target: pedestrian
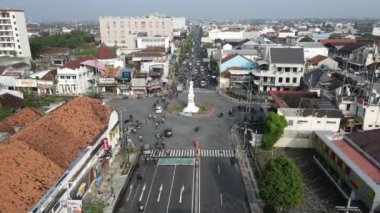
[(163, 116), (150, 116), (156, 125), (163, 120), (146, 122)]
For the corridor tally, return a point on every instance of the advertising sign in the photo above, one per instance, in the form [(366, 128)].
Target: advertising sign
[(74, 203), (106, 146)]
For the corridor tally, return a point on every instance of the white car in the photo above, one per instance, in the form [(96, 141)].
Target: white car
[(158, 109)]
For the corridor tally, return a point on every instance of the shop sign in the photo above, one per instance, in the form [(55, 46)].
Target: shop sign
[(26, 83), (105, 143), (74, 203), (107, 81)]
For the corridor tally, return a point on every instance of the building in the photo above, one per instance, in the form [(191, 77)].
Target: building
[(324, 62), (114, 30), (305, 112), (352, 162), (145, 42), (236, 60), (281, 69), (13, 34), (75, 78), (312, 49), (376, 31), (59, 157), (179, 23), (232, 34)]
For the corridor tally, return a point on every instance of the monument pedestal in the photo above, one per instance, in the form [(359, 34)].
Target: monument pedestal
[(191, 105)]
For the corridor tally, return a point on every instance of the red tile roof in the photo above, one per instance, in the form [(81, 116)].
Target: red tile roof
[(337, 41), (21, 118), (104, 52), (226, 74), (316, 59), (359, 160), (76, 63), (33, 159)]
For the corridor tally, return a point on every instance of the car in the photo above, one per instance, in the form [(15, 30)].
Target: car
[(158, 109), (168, 132), (146, 149)]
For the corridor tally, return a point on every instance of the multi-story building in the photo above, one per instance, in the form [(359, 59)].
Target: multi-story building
[(282, 69), (352, 162), (114, 30), (13, 34)]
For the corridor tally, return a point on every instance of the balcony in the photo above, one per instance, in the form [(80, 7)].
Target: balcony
[(264, 83), (5, 29), (264, 73)]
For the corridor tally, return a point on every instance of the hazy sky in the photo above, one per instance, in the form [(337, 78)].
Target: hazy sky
[(90, 10)]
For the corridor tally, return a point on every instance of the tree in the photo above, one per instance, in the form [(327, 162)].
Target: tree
[(281, 184), (275, 125), (306, 39)]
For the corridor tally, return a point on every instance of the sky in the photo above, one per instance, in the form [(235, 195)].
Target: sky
[(90, 10)]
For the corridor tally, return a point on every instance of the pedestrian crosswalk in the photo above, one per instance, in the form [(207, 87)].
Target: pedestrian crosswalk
[(201, 90), (217, 153)]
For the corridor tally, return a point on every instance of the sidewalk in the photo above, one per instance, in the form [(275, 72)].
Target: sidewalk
[(114, 183), (250, 184)]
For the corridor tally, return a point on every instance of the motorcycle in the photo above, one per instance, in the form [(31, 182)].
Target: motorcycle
[(196, 129)]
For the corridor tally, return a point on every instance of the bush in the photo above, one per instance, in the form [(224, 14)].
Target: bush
[(281, 184), (275, 125), (94, 207)]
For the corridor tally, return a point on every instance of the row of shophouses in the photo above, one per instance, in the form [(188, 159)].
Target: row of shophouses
[(137, 72)]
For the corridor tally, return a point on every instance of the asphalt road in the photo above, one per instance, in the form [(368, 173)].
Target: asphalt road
[(216, 186), (221, 186)]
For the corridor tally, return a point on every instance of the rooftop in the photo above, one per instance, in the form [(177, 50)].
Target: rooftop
[(33, 159), (21, 118), (368, 141), (76, 63), (359, 160), (287, 55), (104, 52)]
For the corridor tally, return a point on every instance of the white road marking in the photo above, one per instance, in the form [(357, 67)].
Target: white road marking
[(151, 185), (159, 193), (218, 169), (171, 188), (180, 195), (192, 190), (221, 199), (130, 191), (142, 192)]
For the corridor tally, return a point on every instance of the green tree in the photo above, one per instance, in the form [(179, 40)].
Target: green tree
[(281, 184), (275, 125), (306, 39)]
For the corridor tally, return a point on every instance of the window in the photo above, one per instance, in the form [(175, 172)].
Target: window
[(287, 80), (369, 125), (331, 122), (265, 79), (348, 106), (294, 80), (74, 77), (280, 79), (290, 122), (68, 77), (294, 69), (318, 122), (287, 69), (62, 77), (279, 69), (19, 46), (301, 122), (16, 29), (377, 126)]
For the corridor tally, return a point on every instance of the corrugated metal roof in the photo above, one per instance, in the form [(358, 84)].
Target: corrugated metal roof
[(287, 55)]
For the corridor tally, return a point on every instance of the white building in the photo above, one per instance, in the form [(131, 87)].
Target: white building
[(179, 23), (226, 34), (376, 31), (145, 42), (13, 34), (285, 34), (312, 49), (114, 30), (282, 69), (305, 112)]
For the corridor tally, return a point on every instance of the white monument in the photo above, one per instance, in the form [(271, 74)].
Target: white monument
[(191, 105)]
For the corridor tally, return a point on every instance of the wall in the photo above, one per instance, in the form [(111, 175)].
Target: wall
[(22, 35), (144, 42), (294, 142), (308, 124), (376, 31), (371, 118), (311, 52)]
